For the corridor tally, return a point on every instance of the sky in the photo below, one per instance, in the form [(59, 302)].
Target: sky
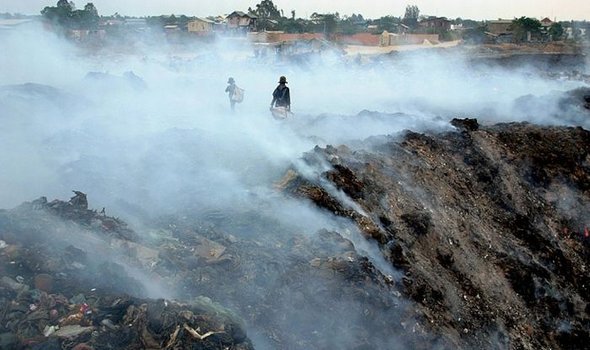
[(473, 9)]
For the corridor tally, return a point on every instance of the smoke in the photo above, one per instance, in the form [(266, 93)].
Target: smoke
[(148, 131)]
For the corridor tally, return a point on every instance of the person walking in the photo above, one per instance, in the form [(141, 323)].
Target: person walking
[(281, 97), (231, 90)]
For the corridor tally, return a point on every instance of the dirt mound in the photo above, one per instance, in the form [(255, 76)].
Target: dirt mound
[(488, 224)]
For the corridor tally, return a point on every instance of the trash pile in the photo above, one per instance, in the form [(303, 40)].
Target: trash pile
[(489, 225), (54, 295), (483, 230), (75, 277)]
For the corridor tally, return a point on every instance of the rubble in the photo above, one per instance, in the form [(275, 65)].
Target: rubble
[(73, 295), (487, 225), (65, 300)]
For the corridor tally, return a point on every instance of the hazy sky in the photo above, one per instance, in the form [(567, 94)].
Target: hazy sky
[(475, 9)]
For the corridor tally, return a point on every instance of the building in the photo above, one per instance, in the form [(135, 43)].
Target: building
[(546, 22), (241, 22), (436, 24), (393, 39), (402, 28), (201, 26), (499, 27)]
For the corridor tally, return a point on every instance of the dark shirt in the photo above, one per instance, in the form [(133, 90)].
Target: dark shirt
[(231, 88), (281, 96)]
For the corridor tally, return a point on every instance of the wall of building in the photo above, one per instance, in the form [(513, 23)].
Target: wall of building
[(275, 37), (412, 39), (366, 39), (199, 26)]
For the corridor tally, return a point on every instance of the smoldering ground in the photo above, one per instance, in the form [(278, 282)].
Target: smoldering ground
[(149, 133)]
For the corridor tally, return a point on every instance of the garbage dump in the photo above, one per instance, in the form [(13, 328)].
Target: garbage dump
[(54, 297), (62, 286)]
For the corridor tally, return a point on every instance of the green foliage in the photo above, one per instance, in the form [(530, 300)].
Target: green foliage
[(267, 13), (351, 25), (556, 31), (523, 25), (388, 23), (291, 25), (475, 35), (329, 21), (267, 10), (412, 11), (411, 16), (469, 23), (65, 15)]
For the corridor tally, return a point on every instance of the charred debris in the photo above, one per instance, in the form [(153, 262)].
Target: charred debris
[(487, 227), (488, 224)]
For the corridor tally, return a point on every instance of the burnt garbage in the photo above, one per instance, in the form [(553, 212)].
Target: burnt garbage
[(489, 226), (58, 296), (62, 287), (484, 224)]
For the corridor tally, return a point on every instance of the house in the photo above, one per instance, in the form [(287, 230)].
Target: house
[(499, 27), (501, 38), (241, 22), (436, 24), (393, 39), (546, 22), (171, 28), (402, 28), (201, 26)]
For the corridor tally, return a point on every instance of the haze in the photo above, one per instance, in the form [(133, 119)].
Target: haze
[(144, 128), (69, 131), (477, 9)]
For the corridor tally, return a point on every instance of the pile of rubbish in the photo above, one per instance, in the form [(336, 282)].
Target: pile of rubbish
[(480, 241), (488, 224), (76, 278), (58, 296)]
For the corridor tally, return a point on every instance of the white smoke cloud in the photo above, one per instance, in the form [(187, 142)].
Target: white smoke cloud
[(149, 131)]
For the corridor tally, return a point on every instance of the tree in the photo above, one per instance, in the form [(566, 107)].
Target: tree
[(388, 23), (475, 35), (469, 23), (350, 25), (66, 16), (412, 11), (329, 21), (64, 4), (266, 11), (87, 18), (59, 14), (521, 27), (411, 16), (556, 31)]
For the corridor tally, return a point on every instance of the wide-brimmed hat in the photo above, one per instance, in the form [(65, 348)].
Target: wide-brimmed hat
[(230, 80), (283, 80)]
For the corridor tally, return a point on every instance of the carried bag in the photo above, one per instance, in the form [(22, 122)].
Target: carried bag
[(238, 95)]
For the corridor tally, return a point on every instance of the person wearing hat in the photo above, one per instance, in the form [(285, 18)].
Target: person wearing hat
[(231, 90), (281, 96)]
